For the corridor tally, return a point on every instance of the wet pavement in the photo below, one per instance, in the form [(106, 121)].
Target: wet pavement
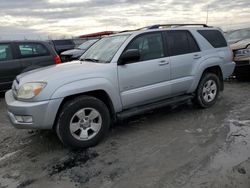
[(175, 146)]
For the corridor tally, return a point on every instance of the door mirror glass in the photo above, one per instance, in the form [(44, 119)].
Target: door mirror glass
[(131, 55)]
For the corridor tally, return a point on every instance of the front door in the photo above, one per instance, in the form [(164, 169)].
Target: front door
[(9, 66), (145, 80)]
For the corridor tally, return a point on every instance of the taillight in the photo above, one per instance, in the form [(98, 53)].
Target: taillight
[(57, 60)]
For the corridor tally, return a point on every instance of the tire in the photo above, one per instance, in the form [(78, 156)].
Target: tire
[(83, 122), (207, 91)]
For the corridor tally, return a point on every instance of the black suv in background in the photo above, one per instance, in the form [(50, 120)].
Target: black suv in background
[(20, 56), (62, 45), (76, 53)]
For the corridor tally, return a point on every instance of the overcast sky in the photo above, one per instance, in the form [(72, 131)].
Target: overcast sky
[(58, 18)]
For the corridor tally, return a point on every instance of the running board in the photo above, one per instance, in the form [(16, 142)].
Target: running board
[(142, 109)]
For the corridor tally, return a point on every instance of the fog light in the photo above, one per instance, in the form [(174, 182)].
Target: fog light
[(19, 118), (24, 119), (27, 119)]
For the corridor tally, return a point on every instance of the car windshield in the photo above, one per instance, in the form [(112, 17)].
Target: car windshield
[(87, 44), (236, 36), (104, 50)]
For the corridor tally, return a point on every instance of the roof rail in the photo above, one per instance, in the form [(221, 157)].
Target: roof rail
[(172, 25), (158, 26)]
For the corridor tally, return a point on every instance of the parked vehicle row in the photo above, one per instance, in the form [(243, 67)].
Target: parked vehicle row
[(240, 44), (62, 45), (76, 53), (17, 57), (119, 76)]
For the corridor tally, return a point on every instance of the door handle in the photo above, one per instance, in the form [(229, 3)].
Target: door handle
[(197, 56), (163, 62)]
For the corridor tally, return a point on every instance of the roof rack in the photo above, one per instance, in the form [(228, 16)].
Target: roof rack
[(158, 26)]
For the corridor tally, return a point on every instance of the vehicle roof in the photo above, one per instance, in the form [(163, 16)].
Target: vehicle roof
[(13, 41), (62, 40)]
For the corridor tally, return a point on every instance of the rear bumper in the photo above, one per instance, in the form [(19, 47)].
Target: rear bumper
[(43, 113), (228, 69)]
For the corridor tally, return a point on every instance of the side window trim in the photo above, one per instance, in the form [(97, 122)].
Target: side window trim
[(195, 41), (142, 34)]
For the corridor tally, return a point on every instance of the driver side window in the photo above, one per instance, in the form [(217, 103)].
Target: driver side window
[(149, 45)]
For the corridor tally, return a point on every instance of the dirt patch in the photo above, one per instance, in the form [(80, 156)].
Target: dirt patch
[(26, 183), (74, 159)]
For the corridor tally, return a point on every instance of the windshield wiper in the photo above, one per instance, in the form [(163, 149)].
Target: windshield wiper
[(239, 41), (91, 59)]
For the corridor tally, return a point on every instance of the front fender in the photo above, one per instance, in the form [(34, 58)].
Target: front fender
[(87, 85)]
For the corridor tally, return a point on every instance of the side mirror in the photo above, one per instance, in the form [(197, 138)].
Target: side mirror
[(129, 56)]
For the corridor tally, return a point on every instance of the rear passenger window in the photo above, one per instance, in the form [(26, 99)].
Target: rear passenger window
[(5, 52), (181, 42), (150, 46), (214, 37), (32, 50)]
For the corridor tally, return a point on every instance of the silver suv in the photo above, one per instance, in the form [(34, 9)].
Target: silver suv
[(120, 76)]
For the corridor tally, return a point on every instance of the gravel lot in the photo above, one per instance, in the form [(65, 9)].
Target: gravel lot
[(175, 146)]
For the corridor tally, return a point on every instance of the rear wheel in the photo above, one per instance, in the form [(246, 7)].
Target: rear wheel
[(83, 122), (207, 91)]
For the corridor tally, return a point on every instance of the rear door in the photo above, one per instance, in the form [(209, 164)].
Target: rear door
[(33, 55), (145, 80), (10, 66), (184, 55)]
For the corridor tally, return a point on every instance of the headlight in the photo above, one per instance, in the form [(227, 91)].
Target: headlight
[(243, 53), (30, 90)]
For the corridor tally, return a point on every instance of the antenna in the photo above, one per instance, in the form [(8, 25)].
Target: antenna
[(207, 14)]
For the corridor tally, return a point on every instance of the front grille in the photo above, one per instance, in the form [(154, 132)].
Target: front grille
[(66, 58), (241, 63)]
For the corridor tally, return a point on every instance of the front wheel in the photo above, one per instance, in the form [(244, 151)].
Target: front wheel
[(83, 122), (208, 90)]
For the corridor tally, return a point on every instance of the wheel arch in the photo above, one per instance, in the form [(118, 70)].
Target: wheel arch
[(211, 68), (217, 71), (99, 94)]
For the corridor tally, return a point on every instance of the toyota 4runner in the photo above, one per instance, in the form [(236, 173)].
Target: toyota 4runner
[(119, 76)]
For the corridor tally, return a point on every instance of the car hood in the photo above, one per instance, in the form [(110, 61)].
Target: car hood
[(62, 73), (73, 52), (241, 44)]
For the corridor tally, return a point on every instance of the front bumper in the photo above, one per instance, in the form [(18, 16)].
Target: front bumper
[(43, 113), (242, 68)]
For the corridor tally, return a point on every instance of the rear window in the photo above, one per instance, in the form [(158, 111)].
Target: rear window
[(5, 52), (214, 37), (32, 50), (181, 42), (63, 42)]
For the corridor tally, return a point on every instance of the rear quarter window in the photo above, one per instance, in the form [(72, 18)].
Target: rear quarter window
[(32, 50), (214, 37)]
